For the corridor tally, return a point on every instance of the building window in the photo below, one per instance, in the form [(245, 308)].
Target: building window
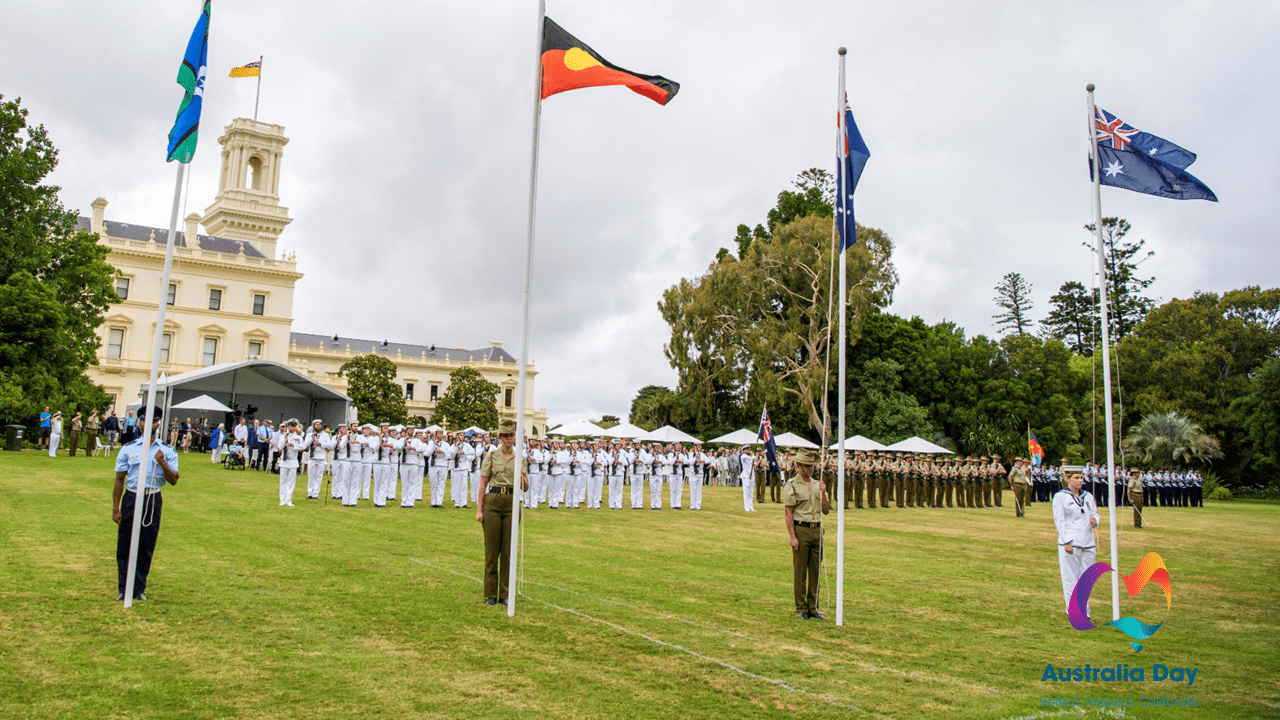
[(173, 295), (215, 299), (122, 288), (166, 342), (408, 391), (255, 173), (435, 392), (115, 342), (255, 349), (210, 356), (508, 397), (259, 304)]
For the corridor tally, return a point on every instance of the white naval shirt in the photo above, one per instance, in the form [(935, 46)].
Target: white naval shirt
[(1071, 514)]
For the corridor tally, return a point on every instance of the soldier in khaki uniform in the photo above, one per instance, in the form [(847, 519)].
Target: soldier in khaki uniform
[(884, 479), (493, 510), (1020, 483), (804, 501), (858, 475), (1135, 498), (971, 492), (996, 480)]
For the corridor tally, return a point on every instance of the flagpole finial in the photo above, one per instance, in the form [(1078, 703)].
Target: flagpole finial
[(842, 51), (1089, 87)]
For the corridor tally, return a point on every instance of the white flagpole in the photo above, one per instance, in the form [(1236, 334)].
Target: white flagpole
[(257, 93), (1106, 355), (528, 303), (148, 408), (840, 189)]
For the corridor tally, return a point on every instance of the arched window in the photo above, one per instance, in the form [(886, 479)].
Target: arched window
[(255, 173)]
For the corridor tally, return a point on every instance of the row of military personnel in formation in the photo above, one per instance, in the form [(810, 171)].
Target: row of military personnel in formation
[(369, 462)]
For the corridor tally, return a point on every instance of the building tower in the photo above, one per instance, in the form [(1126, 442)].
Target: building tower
[(248, 204)]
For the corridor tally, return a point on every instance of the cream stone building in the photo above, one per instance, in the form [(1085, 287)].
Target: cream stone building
[(230, 296)]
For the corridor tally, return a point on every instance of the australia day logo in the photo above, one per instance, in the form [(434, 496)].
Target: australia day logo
[(1151, 569)]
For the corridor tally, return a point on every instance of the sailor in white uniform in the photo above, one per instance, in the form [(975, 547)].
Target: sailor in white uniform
[(316, 441), (439, 453), (1075, 515), (641, 470), (294, 448)]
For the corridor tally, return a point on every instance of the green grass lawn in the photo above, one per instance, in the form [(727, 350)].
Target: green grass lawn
[(258, 611)]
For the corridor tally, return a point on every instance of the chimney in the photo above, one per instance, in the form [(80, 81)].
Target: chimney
[(495, 343), (99, 209), (192, 234)]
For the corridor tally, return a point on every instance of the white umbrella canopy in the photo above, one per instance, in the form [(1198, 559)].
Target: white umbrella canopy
[(919, 445), (625, 430), (434, 428), (668, 434), (737, 437), (475, 430), (857, 442), (204, 402), (792, 440), (578, 429)]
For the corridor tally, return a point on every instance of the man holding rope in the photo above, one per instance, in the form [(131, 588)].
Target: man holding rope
[(805, 501)]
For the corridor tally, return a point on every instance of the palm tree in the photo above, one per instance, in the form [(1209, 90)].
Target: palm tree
[(1168, 438)]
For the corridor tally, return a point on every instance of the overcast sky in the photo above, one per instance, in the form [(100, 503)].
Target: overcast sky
[(410, 123)]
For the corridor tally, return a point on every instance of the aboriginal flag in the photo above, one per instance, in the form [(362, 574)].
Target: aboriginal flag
[(569, 64)]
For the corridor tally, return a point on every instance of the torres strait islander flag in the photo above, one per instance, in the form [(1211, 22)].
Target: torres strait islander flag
[(569, 64)]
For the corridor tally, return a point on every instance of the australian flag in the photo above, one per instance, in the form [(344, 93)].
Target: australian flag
[(1141, 162), (850, 160), (765, 435)]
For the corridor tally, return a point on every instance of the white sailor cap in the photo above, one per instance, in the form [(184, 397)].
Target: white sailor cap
[(317, 420), (370, 426)]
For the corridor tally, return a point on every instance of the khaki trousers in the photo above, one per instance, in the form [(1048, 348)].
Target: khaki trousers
[(497, 544), (805, 562), (997, 490), (1019, 499), (1137, 510), (858, 484)]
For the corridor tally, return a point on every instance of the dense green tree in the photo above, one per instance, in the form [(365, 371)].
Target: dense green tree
[(1073, 318), (56, 277), (880, 409), (660, 407), (470, 400), (1165, 439), (371, 385), (756, 333), (1013, 296), (1126, 304), (1260, 410), (1198, 356)]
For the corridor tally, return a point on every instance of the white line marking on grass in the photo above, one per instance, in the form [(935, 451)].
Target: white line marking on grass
[(673, 646), (1077, 711), (700, 656), (803, 651)]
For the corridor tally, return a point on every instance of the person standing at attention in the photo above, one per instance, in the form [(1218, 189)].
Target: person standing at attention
[(493, 510), (1075, 515), (805, 501)]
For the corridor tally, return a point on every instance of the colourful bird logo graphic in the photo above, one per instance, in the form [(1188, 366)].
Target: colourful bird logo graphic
[(1151, 569)]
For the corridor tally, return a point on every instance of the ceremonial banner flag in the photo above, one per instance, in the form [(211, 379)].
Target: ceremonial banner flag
[(182, 138), (569, 64), (1141, 162), (253, 69), (765, 435), (1034, 449), (853, 158)]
